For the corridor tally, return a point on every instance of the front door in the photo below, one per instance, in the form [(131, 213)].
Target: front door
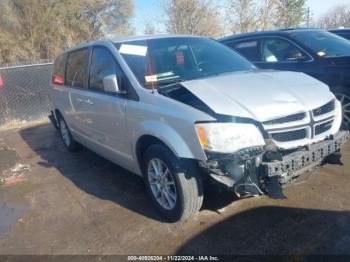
[(104, 112), (281, 54)]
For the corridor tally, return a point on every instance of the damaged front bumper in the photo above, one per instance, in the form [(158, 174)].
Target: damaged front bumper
[(298, 162), (257, 171)]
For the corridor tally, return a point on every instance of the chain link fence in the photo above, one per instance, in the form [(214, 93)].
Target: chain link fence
[(24, 92)]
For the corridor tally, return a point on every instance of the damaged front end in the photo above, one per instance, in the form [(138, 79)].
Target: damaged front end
[(266, 170), (270, 152)]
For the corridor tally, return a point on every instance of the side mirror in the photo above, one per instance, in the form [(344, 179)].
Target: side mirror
[(111, 84)]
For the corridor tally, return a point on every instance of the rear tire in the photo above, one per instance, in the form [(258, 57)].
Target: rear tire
[(66, 136), (174, 185)]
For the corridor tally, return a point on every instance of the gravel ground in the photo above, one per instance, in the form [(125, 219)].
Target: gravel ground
[(55, 202)]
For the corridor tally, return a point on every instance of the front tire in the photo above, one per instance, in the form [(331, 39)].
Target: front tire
[(174, 185)]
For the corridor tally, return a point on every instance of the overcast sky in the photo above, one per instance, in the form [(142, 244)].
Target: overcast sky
[(150, 9)]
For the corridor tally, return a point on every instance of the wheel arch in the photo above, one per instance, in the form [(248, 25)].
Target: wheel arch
[(144, 142), (57, 113), (173, 142)]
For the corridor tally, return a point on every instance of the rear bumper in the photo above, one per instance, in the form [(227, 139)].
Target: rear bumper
[(298, 162)]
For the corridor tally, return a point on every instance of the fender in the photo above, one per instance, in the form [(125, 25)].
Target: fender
[(170, 137)]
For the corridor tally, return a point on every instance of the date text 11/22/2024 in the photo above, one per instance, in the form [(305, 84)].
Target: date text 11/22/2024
[(173, 258)]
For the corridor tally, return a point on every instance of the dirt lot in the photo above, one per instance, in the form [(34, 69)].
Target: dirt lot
[(54, 202)]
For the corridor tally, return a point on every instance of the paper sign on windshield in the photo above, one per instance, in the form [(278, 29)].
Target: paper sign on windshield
[(133, 50), (151, 78)]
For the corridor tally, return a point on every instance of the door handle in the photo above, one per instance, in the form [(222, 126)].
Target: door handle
[(88, 101), (79, 100)]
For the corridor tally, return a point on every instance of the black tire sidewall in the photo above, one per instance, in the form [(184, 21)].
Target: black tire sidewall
[(73, 145), (175, 166)]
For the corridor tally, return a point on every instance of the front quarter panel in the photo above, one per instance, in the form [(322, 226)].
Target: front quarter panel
[(168, 120), (171, 137)]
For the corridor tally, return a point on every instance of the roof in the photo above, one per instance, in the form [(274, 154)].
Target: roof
[(271, 32), (147, 37), (127, 39), (340, 30)]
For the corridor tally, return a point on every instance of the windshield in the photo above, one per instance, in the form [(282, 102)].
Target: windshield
[(324, 44), (163, 61)]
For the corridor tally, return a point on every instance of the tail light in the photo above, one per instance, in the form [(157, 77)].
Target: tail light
[(58, 80), (1, 82)]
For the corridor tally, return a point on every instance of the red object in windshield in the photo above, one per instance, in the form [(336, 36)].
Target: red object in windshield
[(1, 82), (58, 80), (180, 58)]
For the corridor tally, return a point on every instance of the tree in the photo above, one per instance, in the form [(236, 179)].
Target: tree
[(43, 28), (110, 17), (250, 15), (339, 16), (242, 16), (197, 17), (267, 14), (149, 28), (290, 13)]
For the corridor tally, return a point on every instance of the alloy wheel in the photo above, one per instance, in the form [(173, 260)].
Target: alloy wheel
[(162, 183)]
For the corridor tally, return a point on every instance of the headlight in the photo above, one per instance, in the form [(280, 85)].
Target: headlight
[(228, 137)]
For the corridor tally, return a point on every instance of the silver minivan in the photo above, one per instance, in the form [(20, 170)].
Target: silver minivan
[(183, 110)]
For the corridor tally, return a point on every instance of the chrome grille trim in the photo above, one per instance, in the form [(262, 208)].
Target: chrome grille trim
[(302, 126), (288, 136), (324, 127), (325, 109), (286, 119)]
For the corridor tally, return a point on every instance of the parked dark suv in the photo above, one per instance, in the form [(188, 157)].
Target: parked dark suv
[(316, 52), (345, 32)]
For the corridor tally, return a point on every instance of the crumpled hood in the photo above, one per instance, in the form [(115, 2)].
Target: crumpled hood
[(261, 95)]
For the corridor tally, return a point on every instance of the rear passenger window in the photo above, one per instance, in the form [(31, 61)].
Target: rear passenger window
[(102, 65), (75, 74), (249, 49)]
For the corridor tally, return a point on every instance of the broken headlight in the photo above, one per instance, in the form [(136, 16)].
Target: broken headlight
[(228, 137)]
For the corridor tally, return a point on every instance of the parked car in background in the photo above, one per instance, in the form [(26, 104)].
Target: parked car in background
[(345, 32), (178, 110), (318, 53)]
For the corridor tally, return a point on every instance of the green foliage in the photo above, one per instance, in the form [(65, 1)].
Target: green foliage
[(34, 29)]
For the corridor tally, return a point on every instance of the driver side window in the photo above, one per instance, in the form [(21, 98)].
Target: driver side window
[(102, 65), (280, 50)]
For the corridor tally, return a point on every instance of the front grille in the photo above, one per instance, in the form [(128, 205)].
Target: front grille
[(319, 129), (306, 125), (286, 119), (329, 107), (289, 135)]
